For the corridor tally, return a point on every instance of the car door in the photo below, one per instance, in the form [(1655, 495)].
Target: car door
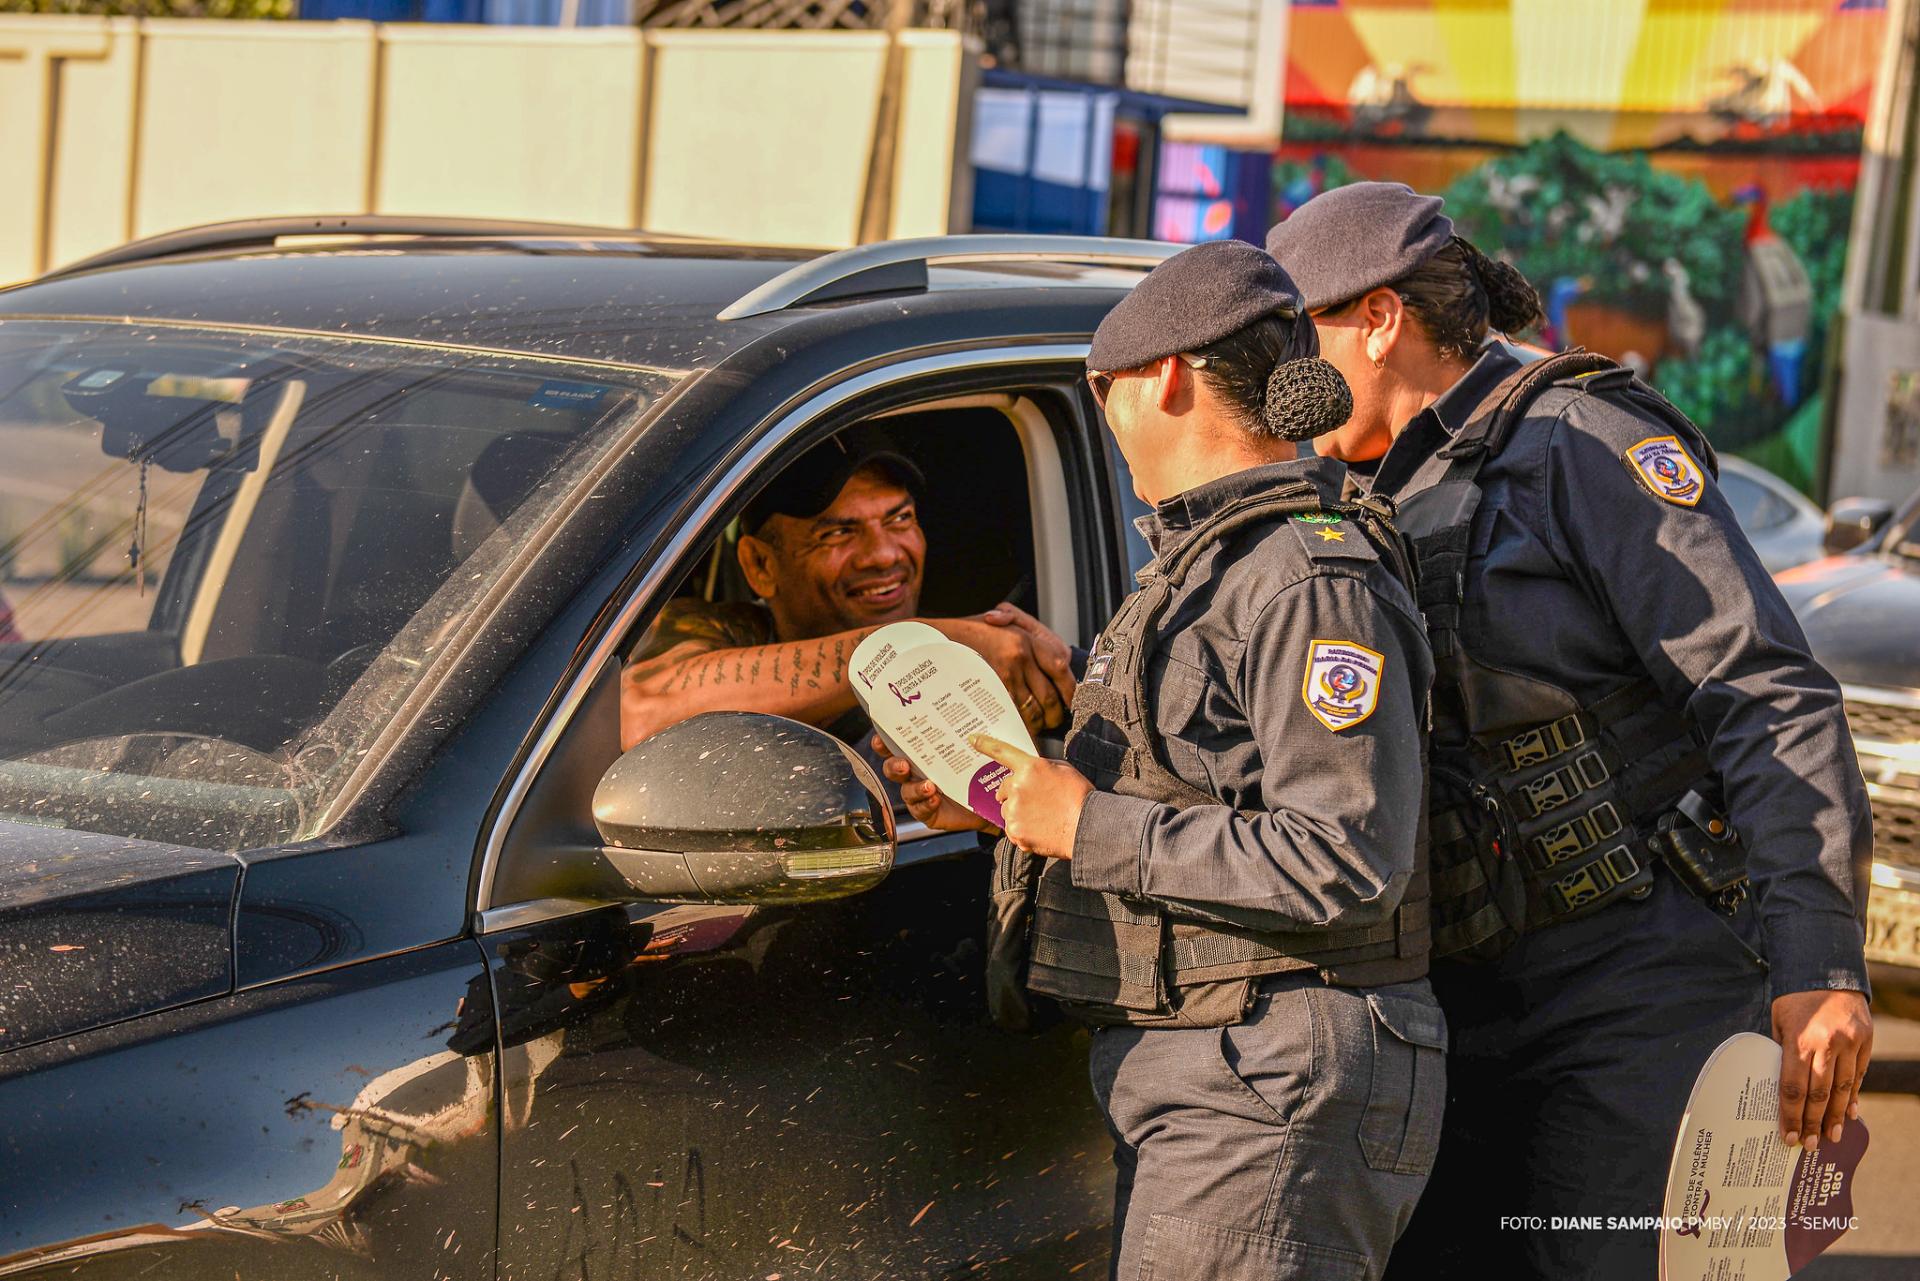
[(733, 1090)]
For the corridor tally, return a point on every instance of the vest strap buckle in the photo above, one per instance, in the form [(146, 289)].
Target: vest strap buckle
[(1551, 791), (1543, 743), (1575, 836), (1592, 881)]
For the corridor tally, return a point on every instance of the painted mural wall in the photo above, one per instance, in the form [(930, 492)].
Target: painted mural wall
[(1675, 176)]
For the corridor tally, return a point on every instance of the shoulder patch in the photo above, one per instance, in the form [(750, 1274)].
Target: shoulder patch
[(1342, 685), (1667, 470), (1328, 534)]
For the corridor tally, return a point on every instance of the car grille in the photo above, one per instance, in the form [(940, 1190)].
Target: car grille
[(1883, 722), (1886, 731), (1896, 832)]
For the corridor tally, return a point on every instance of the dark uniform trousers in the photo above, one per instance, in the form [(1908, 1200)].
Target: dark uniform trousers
[(1586, 1038), (1290, 1147)]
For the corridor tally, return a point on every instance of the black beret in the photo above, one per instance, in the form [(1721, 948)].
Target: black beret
[(1197, 297), (1344, 242)]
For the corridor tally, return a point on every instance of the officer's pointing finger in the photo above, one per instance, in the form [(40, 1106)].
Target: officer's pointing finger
[(1006, 753)]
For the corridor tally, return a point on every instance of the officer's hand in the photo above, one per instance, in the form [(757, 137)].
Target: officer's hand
[(1826, 1040), (925, 801), (1040, 799), (1052, 652), (1016, 657)]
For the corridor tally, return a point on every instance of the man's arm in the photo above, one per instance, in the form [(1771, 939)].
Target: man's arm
[(805, 680), (695, 660), (1337, 848)]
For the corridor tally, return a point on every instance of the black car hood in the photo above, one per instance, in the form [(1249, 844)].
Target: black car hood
[(94, 929), (1862, 616)]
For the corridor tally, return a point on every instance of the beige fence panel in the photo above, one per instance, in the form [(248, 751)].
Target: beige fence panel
[(116, 128), (932, 191), (90, 198), (762, 136), (252, 119), (43, 61), (512, 122)]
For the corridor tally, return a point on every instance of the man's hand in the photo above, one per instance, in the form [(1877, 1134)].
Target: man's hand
[(1040, 799), (1826, 1040), (1035, 664), (925, 801)]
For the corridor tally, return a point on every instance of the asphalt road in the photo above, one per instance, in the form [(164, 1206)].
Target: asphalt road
[(1886, 1245)]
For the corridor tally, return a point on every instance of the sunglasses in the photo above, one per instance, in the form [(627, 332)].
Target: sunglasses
[(1100, 382)]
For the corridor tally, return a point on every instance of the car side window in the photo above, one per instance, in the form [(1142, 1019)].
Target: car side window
[(998, 524), (1753, 506)]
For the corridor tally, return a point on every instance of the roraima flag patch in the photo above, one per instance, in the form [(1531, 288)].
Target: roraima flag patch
[(1343, 682)]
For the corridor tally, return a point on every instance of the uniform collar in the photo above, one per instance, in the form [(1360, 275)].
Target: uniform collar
[(1168, 524), (1441, 421)]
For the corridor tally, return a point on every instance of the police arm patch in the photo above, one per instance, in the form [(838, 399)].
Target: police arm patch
[(1343, 682), (1666, 468)]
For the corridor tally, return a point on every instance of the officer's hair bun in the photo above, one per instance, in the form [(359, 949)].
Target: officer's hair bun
[(1305, 398), (1513, 304)]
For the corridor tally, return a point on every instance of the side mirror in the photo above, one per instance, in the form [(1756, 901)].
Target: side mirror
[(1852, 521), (740, 807)]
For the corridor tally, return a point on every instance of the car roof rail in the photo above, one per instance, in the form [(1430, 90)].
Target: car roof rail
[(895, 265), (250, 233)]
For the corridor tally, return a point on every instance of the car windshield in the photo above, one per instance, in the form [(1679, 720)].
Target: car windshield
[(225, 557)]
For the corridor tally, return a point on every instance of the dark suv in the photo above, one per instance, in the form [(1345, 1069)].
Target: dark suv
[(331, 943)]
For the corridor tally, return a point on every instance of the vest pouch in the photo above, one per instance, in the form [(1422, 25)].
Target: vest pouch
[(1092, 950), (1009, 930), (1479, 905)]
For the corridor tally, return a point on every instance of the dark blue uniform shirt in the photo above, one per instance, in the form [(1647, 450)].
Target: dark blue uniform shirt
[(1583, 575)]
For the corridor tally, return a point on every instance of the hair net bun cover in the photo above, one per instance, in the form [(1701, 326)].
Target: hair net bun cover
[(1306, 398)]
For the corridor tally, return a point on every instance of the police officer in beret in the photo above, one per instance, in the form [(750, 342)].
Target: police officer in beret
[(1649, 831), (1225, 877)]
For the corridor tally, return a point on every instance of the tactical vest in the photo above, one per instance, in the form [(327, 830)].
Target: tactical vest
[(1119, 960), (1543, 808)]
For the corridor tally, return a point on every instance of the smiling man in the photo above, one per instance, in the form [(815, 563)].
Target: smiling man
[(833, 549)]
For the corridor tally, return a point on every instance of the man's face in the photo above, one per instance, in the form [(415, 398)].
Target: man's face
[(856, 564)]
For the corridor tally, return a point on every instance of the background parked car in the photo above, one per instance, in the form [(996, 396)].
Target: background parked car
[(1861, 611), (1785, 526)]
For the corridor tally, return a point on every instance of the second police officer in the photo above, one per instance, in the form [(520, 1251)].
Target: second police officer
[(1226, 876), (1629, 737)]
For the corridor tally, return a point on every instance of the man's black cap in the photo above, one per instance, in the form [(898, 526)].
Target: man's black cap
[(1197, 297), (812, 481), (1345, 242)]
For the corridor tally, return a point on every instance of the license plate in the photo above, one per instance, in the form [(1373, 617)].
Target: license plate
[(1893, 927)]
